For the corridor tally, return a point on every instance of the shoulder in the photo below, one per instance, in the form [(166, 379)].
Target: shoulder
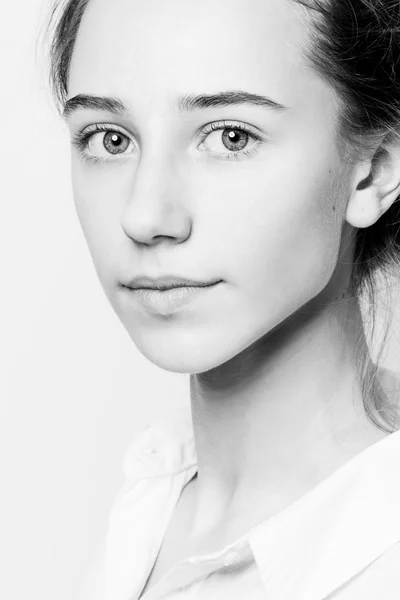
[(162, 447)]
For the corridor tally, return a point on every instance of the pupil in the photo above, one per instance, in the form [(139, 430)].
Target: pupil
[(234, 139), (115, 143)]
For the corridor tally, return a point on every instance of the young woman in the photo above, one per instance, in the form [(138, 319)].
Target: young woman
[(251, 148)]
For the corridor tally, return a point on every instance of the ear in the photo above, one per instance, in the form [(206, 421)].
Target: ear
[(376, 185)]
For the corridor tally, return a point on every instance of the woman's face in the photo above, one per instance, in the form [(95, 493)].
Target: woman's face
[(261, 209)]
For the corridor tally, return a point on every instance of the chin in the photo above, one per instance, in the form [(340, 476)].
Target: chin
[(193, 352), (188, 359)]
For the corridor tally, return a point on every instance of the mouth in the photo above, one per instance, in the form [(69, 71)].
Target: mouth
[(170, 300), (166, 283), (174, 287)]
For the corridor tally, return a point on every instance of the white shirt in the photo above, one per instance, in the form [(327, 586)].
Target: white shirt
[(340, 541)]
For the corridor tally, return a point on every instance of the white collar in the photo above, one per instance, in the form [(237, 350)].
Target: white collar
[(305, 551)]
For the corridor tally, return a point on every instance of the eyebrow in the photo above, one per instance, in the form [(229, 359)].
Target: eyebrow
[(185, 103)]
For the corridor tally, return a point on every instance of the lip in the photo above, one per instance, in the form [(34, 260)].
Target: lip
[(166, 282), (169, 301)]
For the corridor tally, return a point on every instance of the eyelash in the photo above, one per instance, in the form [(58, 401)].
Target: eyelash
[(81, 140)]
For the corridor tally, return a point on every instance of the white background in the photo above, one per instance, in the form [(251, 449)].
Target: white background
[(74, 390)]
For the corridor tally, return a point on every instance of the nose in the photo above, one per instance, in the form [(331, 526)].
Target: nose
[(156, 206)]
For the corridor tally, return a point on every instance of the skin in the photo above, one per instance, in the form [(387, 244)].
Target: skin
[(273, 352)]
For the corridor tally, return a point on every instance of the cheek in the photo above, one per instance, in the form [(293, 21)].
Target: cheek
[(99, 204), (281, 234)]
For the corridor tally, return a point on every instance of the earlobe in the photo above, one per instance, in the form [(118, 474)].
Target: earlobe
[(363, 209), (377, 187)]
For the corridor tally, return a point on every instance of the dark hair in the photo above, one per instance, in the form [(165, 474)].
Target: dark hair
[(355, 47)]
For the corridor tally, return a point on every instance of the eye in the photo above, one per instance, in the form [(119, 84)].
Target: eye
[(234, 141), (104, 143), (101, 142)]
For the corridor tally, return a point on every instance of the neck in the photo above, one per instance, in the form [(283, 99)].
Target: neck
[(280, 417)]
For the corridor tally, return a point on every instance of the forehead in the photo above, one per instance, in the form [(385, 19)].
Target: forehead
[(151, 49)]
